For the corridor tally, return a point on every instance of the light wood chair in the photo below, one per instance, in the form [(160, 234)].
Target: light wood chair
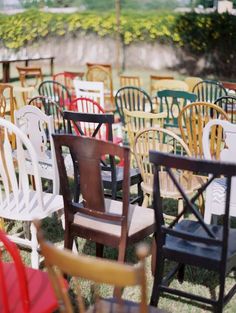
[(29, 77), (171, 84), (192, 119), (191, 81), (98, 271), (138, 120), (154, 79), (163, 140), (133, 81), (209, 90), (103, 74)]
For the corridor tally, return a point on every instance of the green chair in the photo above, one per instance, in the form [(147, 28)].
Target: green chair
[(172, 102), (209, 91)]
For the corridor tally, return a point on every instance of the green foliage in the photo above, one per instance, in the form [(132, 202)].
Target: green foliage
[(210, 35)]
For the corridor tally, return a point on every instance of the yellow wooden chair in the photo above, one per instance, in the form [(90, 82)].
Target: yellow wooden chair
[(99, 271), (192, 119), (154, 79), (126, 80), (164, 140), (191, 81), (171, 84), (138, 120)]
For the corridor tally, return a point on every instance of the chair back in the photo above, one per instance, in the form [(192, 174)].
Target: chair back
[(133, 81), (91, 90), (39, 128), (56, 92), (191, 81), (86, 105), (209, 91), (228, 104), (172, 102), (138, 120), (21, 282), (204, 234), (66, 79), (156, 78), (50, 107), (96, 270), (171, 84), (87, 155), (192, 119), (229, 86), (157, 139), (98, 73), (132, 99), (15, 194)]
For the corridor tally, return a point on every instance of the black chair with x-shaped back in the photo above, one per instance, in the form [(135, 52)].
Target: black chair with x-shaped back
[(191, 241), (112, 174)]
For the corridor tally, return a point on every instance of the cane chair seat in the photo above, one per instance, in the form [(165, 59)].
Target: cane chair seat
[(135, 223)]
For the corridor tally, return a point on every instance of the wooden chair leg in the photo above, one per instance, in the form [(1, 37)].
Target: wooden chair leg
[(121, 258), (69, 239), (145, 200), (99, 250), (159, 268)]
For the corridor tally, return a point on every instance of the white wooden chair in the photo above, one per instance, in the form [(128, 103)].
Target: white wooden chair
[(39, 128), (18, 200), (216, 191), (91, 90)]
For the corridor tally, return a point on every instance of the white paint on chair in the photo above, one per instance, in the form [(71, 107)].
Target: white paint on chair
[(216, 191), (91, 90)]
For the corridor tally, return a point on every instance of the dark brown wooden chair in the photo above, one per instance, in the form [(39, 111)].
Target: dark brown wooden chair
[(193, 242), (112, 174), (102, 220)]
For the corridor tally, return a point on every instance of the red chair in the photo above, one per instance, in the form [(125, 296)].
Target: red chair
[(86, 105), (23, 289)]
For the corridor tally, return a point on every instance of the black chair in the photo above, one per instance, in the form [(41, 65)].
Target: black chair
[(56, 92), (132, 99), (228, 104), (112, 175), (209, 90), (50, 107), (192, 242)]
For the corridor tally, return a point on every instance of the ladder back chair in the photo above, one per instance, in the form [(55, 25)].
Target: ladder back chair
[(192, 119), (160, 139), (18, 200), (209, 90), (97, 271), (133, 81), (21, 287), (191, 241), (112, 174), (29, 77), (191, 81), (171, 84), (102, 220)]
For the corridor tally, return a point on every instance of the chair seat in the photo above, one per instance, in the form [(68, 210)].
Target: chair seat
[(20, 211), (202, 252), (168, 189), (217, 195), (41, 295), (139, 218), (111, 306)]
